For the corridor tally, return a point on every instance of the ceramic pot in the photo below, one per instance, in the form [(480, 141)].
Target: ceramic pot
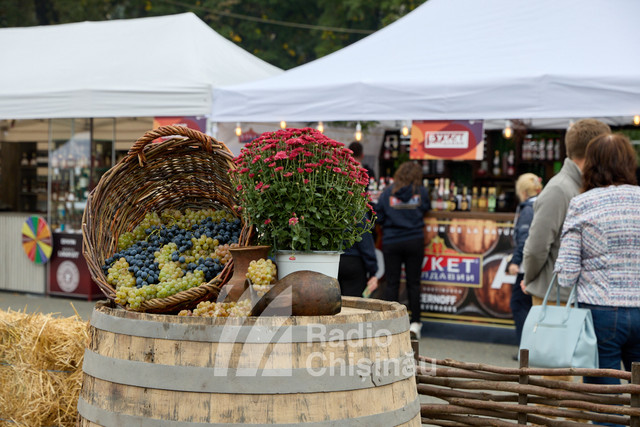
[(301, 293), (242, 257), (325, 262)]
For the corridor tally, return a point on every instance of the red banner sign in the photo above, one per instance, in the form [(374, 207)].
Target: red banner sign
[(449, 140)]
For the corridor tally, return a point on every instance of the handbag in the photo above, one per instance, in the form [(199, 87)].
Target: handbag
[(560, 336)]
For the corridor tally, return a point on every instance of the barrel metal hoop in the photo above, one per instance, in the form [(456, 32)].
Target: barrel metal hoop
[(249, 333), (107, 418), (341, 377)]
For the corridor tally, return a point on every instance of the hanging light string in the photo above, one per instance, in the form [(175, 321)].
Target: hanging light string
[(358, 134)]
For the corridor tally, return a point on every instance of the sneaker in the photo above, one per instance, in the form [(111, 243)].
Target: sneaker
[(414, 330)]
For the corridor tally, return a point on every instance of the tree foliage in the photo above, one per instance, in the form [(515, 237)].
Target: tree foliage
[(285, 33)]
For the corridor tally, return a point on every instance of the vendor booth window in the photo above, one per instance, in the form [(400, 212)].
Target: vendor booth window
[(81, 151)]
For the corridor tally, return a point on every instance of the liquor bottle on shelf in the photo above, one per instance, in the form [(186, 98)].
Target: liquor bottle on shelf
[(440, 199), (459, 198), (510, 163), (386, 154), (533, 149), (25, 160), (434, 195), (496, 163), (549, 149), (502, 201), (372, 185), (542, 149), (491, 199), (453, 199), (439, 166), (474, 199), (426, 167), (525, 154), (382, 184), (445, 196), (556, 149), (466, 199), (482, 200), (394, 149)]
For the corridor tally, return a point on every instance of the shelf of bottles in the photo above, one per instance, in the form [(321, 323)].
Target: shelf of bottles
[(486, 185), (32, 181)]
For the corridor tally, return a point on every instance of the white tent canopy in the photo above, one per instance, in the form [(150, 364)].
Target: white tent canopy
[(160, 66), (464, 59)]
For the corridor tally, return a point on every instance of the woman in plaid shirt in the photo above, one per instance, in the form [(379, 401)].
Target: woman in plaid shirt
[(600, 250)]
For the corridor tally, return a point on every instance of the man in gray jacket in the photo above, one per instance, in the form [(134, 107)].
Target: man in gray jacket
[(542, 245)]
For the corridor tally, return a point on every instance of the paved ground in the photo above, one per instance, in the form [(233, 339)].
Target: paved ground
[(439, 348)]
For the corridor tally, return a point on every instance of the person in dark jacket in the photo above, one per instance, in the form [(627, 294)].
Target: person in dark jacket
[(358, 267), (528, 186), (401, 209), (358, 155)]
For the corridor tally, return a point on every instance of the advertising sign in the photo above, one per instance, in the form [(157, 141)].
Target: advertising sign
[(69, 274), (464, 276), (248, 136), (447, 139)]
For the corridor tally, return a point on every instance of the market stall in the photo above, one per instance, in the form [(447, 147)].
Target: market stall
[(74, 105), (480, 63)]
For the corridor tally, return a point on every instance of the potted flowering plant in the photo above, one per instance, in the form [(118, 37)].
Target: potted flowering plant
[(302, 191)]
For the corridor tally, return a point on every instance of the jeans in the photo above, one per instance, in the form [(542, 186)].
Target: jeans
[(411, 254), (618, 333), (520, 304)]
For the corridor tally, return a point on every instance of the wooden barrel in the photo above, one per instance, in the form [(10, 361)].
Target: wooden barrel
[(354, 368)]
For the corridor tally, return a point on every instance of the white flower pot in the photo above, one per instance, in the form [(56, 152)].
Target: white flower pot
[(325, 262)]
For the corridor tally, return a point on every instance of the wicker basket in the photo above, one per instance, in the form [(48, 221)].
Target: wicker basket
[(188, 170)]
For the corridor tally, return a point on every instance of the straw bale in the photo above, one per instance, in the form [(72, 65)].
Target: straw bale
[(40, 368)]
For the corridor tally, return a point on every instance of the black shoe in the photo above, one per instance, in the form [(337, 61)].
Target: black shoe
[(515, 357)]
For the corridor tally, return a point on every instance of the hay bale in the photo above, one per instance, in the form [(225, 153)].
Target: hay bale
[(40, 368)]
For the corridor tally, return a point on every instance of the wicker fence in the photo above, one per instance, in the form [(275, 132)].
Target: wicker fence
[(475, 394)]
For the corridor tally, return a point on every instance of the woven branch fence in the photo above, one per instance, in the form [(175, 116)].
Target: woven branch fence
[(476, 394)]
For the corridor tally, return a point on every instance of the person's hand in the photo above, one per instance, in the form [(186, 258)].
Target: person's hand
[(523, 287), (372, 284), (513, 269)]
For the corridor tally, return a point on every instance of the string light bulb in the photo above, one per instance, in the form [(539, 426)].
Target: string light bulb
[(507, 132), (636, 120), (283, 124), (358, 133), (238, 129), (320, 127), (405, 130)]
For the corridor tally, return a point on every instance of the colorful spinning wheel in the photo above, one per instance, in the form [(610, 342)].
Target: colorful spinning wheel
[(36, 239)]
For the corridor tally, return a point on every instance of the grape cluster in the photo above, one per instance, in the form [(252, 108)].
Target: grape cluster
[(220, 309), (169, 253), (262, 273)]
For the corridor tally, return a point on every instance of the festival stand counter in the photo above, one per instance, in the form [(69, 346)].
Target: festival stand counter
[(17, 271), (464, 279)]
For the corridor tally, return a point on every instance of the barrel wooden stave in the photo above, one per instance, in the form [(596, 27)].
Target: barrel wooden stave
[(396, 399)]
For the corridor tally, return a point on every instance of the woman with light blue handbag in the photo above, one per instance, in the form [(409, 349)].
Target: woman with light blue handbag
[(600, 250)]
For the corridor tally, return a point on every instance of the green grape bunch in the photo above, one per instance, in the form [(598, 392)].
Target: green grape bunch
[(262, 273)]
